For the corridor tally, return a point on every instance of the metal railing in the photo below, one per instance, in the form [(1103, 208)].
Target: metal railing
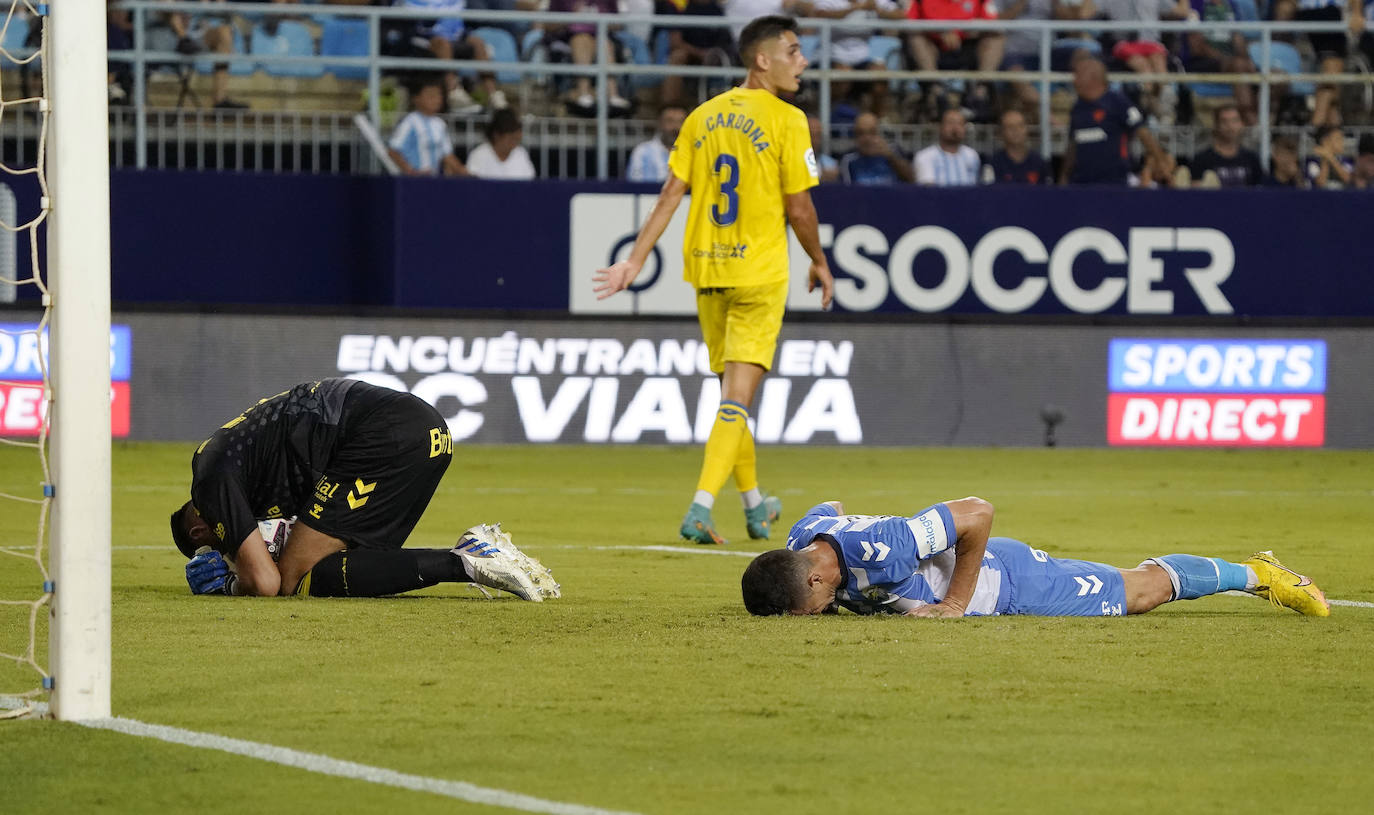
[(146, 123)]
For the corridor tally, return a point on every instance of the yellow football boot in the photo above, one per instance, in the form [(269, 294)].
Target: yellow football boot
[(1282, 586)]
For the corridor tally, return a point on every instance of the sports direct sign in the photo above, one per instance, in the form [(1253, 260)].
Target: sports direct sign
[(1216, 393), (23, 355)]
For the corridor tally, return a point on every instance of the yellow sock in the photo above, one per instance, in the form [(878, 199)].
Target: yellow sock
[(723, 446), (746, 469)]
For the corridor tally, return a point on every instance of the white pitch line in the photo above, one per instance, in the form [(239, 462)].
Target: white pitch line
[(682, 549), (688, 550), (325, 765)]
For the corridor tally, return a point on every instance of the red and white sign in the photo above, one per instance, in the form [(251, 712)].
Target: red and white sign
[(22, 409), (1216, 420)]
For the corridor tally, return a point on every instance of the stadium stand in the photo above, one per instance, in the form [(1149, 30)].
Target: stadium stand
[(289, 39), (344, 38)]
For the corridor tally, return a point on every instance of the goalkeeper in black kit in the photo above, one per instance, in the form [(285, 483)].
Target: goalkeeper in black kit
[(355, 465)]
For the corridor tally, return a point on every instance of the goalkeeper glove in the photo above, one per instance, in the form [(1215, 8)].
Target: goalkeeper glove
[(207, 573)]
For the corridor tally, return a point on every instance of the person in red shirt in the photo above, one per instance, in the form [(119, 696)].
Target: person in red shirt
[(981, 49)]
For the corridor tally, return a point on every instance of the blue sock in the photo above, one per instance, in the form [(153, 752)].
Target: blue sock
[(1195, 577)]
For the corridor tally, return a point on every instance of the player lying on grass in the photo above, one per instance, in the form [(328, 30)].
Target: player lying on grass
[(356, 464), (941, 562)]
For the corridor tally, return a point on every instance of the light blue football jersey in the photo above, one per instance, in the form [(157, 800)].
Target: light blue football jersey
[(893, 564)]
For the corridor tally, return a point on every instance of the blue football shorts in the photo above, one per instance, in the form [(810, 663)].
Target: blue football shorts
[(1056, 587)]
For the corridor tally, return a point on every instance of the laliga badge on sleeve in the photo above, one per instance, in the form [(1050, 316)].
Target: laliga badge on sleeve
[(811, 163)]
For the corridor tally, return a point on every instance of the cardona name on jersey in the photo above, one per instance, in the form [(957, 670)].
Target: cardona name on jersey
[(744, 124)]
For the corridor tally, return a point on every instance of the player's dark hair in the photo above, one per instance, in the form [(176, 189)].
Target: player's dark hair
[(775, 583), (760, 30), (180, 536), (503, 121)]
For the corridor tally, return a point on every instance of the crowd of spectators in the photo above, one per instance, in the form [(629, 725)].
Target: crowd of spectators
[(1106, 117)]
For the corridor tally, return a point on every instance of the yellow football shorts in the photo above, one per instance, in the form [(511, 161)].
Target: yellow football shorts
[(741, 323)]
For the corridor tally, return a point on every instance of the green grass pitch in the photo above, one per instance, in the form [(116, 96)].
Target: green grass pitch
[(648, 688)]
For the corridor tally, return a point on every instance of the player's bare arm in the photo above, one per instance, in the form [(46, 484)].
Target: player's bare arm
[(619, 276), (1164, 163), (972, 526), (258, 575), (801, 214)]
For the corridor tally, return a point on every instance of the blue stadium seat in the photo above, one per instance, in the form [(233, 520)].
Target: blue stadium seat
[(881, 45), (501, 47), (14, 40), (344, 38), (1210, 90), (206, 65), (1248, 12), (291, 40), (662, 44), (1286, 59), (639, 55)]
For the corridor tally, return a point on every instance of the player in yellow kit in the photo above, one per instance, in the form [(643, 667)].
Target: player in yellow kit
[(746, 154)]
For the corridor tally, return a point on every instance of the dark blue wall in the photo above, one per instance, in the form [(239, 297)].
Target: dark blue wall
[(206, 238)]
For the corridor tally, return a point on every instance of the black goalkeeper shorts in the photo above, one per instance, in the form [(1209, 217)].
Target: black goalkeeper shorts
[(386, 464)]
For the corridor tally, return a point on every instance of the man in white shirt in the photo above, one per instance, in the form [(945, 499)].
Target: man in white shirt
[(649, 159), (502, 156), (741, 12), (849, 48), (950, 162)]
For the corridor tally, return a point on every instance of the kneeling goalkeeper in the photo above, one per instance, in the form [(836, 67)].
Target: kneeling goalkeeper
[(356, 465)]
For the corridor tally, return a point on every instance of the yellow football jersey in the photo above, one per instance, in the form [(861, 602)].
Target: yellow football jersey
[(740, 153)]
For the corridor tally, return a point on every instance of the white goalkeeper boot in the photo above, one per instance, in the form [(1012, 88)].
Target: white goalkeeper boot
[(491, 559)]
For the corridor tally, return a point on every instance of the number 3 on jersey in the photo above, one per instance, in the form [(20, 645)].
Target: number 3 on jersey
[(727, 171)]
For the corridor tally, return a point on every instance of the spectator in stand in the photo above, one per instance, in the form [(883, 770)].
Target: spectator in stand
[(830, 168), (1023, 47), (1016, 162), (1227, 162), (1101, 124), (119, 36), (849, 49), (502, 156), (984, 49), (691, 45), (1141, 51), (1284, 168), (1363, 177), (1329, 168), (740, 12), (194, 34), (949, 162), (578, 40), (516, 29), (1222, 52), (420, 145), (1331, 47), (874, 162), (649, 159), (1366, 41), (446, 38)]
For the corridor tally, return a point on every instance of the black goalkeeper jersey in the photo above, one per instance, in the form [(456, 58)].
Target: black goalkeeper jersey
[(266, 462)]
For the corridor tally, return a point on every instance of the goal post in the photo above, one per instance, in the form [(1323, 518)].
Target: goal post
[(78, 172)]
